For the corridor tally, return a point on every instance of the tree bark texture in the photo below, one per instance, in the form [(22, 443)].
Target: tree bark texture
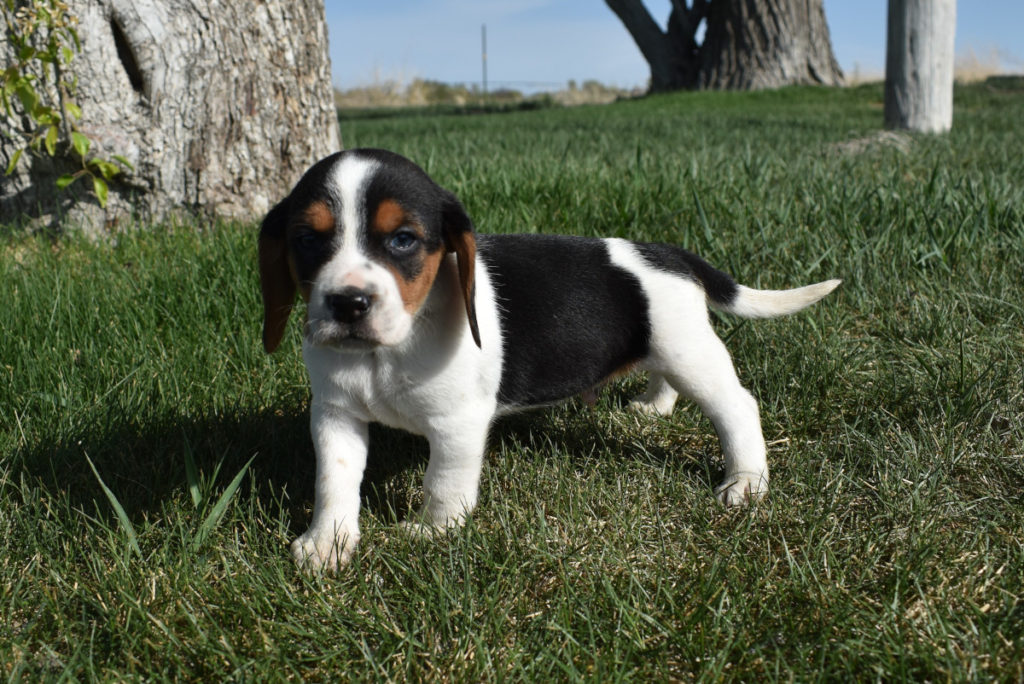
[(755, 44), (919, 65), (747, 45), (219, 105)]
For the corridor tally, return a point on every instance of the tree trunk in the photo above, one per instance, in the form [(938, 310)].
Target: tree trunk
[(919, 65), (748, 44), (756, 44), (219, 105), (671, 54)]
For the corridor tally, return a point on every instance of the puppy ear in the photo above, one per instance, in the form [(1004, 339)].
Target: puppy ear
[(459, 237), (276, 280)]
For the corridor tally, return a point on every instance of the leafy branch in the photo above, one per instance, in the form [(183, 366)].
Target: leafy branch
[(36, 91)]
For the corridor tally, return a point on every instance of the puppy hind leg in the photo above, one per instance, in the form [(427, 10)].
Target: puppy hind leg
[(704, 372), (659, 399)]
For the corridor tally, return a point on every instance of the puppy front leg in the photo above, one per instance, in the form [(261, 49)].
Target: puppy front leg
[(452, 480), (341, 444)]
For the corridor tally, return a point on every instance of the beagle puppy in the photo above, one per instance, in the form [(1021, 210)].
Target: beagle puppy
[(415, 321)]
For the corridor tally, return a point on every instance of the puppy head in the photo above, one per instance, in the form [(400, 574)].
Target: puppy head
[(361, 238)]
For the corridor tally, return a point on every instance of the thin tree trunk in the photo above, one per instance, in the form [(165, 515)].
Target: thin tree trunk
[(666, 54), (219, 105), (919, 65)]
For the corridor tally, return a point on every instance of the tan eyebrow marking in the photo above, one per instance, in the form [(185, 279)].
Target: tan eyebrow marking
[(390, 216), (319, 217)]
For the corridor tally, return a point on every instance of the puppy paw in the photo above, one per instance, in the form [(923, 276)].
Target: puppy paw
[(434, 522), (324, 552), (652, 408), (420, 529), (740, 489)]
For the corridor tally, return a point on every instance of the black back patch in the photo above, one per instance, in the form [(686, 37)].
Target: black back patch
[(718, 285), (570, 318)]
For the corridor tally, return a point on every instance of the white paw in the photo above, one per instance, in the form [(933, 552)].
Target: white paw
[(423, 524), (652, 408), (327, 552), (740, 489), (415, 528)]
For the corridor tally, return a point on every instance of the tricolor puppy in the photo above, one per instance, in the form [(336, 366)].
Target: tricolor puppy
[(415, 321)]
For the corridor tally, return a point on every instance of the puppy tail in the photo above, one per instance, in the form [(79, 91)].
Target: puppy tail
[(750, 303)]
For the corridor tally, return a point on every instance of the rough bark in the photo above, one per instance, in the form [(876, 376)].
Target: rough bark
[(748, 44), (219, 105), (755, 44), (919, 65)]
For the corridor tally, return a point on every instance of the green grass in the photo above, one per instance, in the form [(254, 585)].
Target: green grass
[(889, 548)]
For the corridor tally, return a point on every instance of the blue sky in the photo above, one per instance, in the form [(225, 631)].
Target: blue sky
[(534, 44)]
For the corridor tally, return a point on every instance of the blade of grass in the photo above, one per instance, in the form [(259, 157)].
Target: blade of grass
[(219, 508), (192, 475), (122, 517)]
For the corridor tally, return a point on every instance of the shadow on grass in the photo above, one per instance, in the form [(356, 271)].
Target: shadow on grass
[(143, 461)]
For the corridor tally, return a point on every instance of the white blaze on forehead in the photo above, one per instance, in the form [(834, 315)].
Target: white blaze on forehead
[(349, 178), (387, 322)]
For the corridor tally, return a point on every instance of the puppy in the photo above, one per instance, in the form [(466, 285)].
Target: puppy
[(415, 321)]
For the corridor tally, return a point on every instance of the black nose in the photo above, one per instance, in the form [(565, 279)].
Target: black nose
[(349, 305)]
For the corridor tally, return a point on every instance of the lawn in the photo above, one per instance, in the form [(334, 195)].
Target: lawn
[(155, 463)]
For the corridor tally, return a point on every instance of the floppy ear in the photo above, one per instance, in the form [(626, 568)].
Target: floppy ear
[(276, 280), (460, 238)]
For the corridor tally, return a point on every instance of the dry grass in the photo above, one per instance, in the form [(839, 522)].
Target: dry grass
[(418, 92), (972, 67), (878, 140), (969, 66)]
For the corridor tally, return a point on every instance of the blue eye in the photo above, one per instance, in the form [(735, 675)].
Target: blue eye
[(403, 240)]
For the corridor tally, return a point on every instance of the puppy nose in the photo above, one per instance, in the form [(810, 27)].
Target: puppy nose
[(349, 305)]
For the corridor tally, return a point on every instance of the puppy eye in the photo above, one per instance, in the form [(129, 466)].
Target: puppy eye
[(306, 240), (403, 240)]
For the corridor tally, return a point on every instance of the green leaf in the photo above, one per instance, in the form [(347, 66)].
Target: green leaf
[(122, 517), (14, 162), (123, 162), (81, 143), (104, 168), (73, 109), (99, 186), (10, 79), (219, 508), (66, 180), (67, 54), (46, 116), (51, 140), (27, 94)]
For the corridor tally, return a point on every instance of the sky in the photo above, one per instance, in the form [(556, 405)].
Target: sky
[(542, 44)]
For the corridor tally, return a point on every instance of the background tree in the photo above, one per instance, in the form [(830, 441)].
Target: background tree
[(214, 105), (919, 65), (747, 44)]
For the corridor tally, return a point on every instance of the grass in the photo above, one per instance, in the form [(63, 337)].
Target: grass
[(154, 463)]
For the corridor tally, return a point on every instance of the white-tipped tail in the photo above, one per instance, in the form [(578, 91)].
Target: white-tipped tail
[(751, 303)]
